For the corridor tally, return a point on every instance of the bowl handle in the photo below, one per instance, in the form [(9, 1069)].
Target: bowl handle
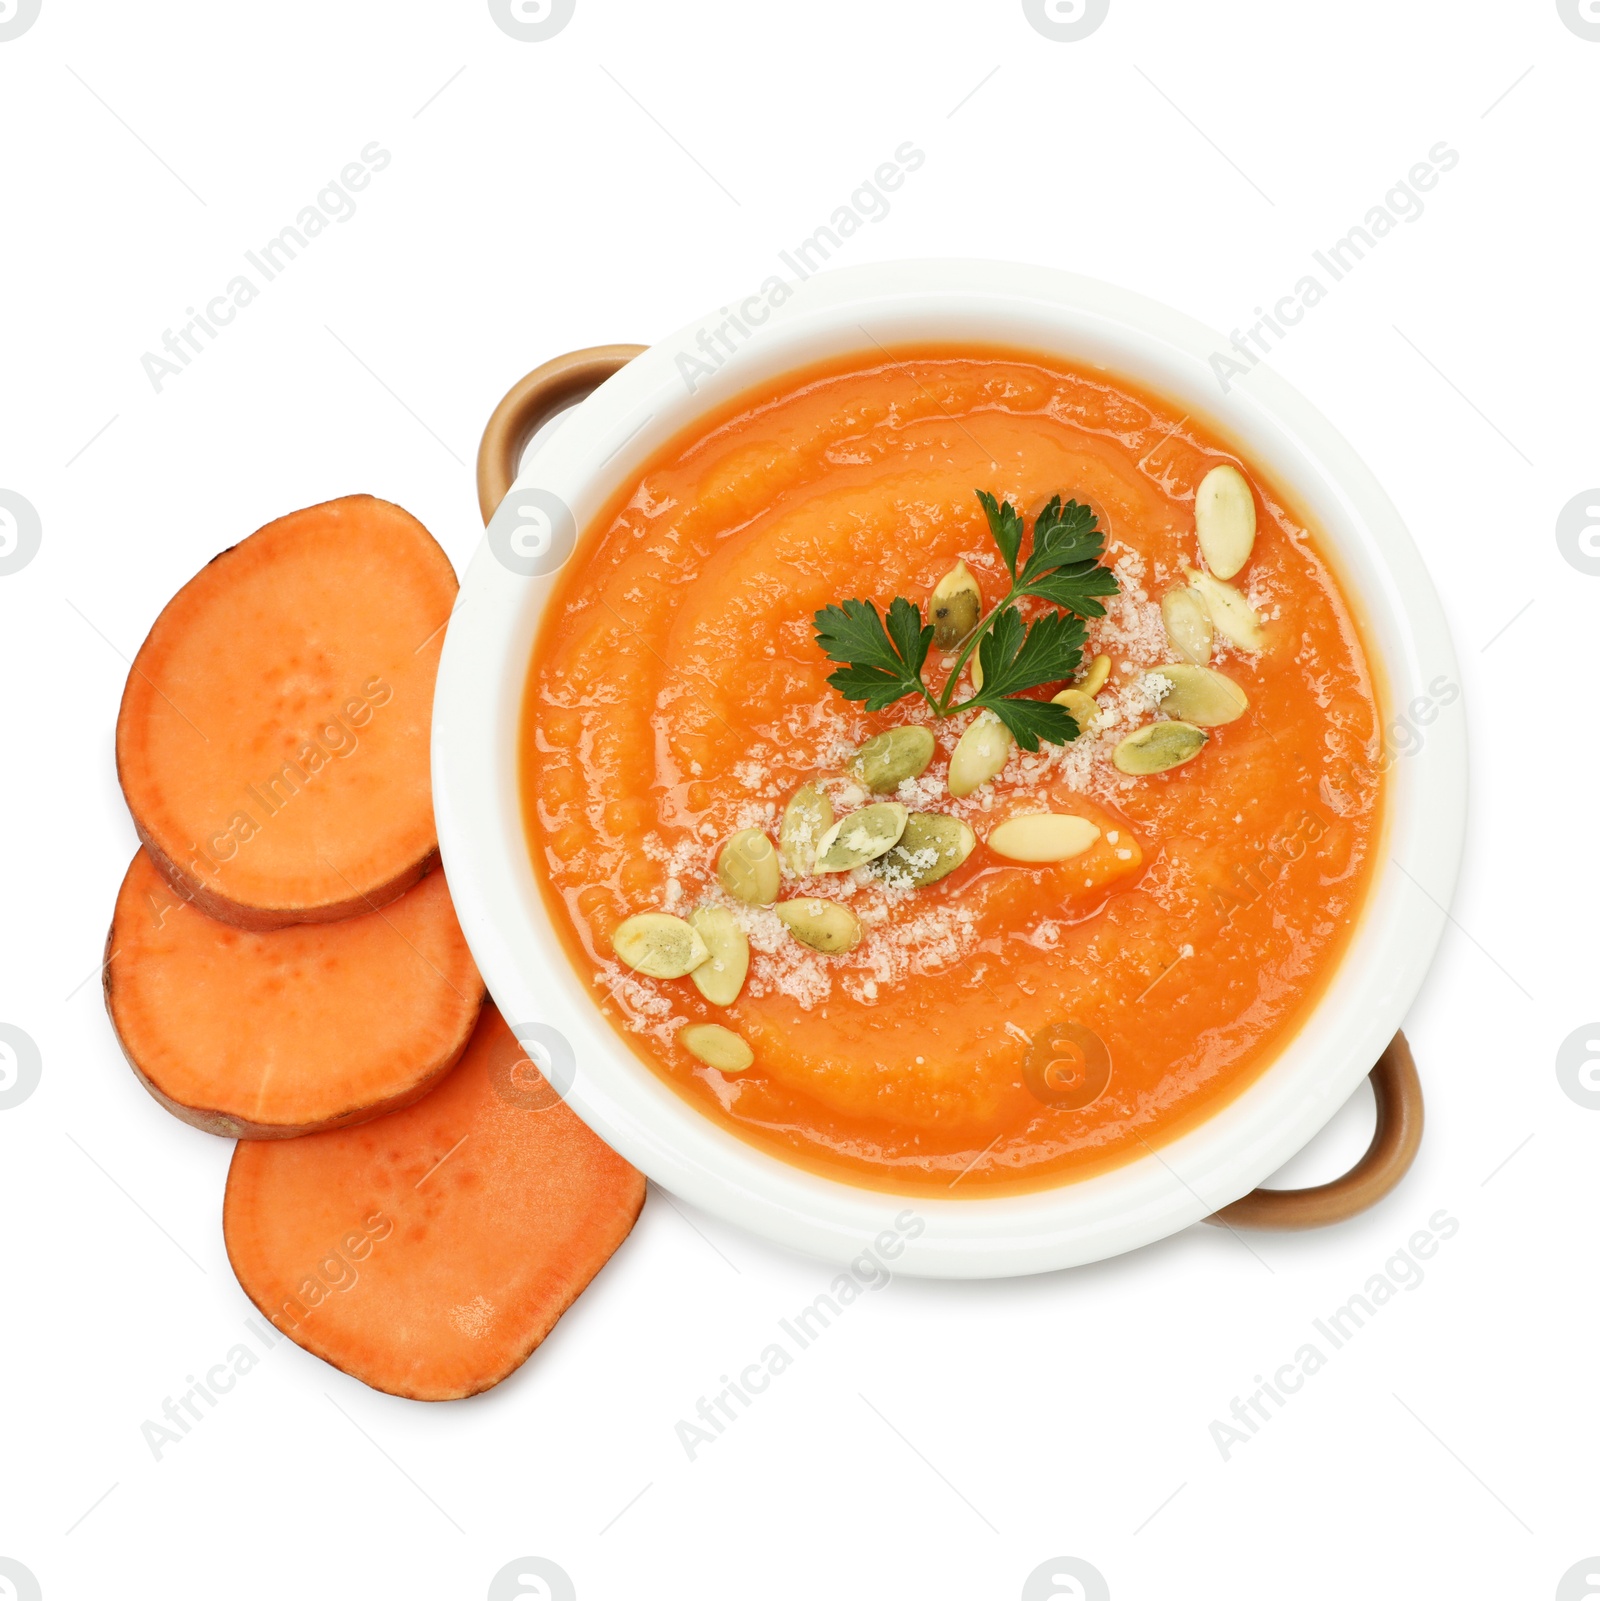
[(1398, 1092), (531, 401)]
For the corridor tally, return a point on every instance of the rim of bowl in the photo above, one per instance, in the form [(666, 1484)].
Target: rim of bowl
[(607, 439)]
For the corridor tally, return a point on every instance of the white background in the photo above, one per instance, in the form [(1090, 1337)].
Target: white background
[(941, 1439)]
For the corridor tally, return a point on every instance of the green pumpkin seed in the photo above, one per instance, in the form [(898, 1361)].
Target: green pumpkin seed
[(1225, 520), (716, 1046), (980, 753), (1188, 624), (1201, 695), (659, 945), (1157, 747), (861, 837), (887, 759), (955, 606), (825, 926), (721, 976), (932, 847), (806, 818), (747, 867)]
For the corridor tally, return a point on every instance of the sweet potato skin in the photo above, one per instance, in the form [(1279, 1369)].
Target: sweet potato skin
[(132, 1004), (314, 641), (430, 1252), (228, 1127), (262, 919)]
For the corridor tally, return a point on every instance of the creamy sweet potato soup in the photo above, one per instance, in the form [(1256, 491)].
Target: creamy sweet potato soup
[(921, 947)]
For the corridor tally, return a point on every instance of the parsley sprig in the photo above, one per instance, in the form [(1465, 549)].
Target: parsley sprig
[(883, 656)]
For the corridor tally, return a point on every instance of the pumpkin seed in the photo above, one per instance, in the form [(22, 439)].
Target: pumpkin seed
[(1225, 519), (980, 753), (932, 847), (716, 1046), (891, 757), (954, 606), (1158, 746), (861, 837), (747, 867), (1232, 614), (1094, 679), (825, 926), (721, 976), (1188, 624), (975, 671), (1202, 696), (1080, 707), (806, 818), (1043, 837), (659, 945)]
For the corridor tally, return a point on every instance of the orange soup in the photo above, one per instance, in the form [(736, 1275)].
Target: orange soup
[(1062, 957)]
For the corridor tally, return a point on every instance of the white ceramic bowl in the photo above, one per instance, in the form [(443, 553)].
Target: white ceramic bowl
[(609, 437)]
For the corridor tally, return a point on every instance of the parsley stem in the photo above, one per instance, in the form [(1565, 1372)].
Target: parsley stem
[(942, 706)]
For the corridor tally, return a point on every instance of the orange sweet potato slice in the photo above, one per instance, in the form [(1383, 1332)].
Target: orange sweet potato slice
[(428, 1253), (273, 737), (264, 1035)]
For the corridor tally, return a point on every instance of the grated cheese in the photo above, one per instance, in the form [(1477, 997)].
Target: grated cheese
[(904, 932)]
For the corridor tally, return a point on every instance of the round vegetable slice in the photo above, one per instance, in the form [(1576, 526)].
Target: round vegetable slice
[(428, 1253), (270, 1034), (273, 737)]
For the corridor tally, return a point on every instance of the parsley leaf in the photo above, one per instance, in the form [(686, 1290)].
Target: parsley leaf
[(1075, 587), (998, 648), (1033, 720), (1005, 525), (882, 657), (872, 685), (854, 632), (1063, 534), (881, 665), (910, 638), (1014, 661), (1050, 652), (1064, 566)]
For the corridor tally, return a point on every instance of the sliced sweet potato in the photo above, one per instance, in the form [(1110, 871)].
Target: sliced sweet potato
[(291, 1030), (273, 737), (428, 1253)]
